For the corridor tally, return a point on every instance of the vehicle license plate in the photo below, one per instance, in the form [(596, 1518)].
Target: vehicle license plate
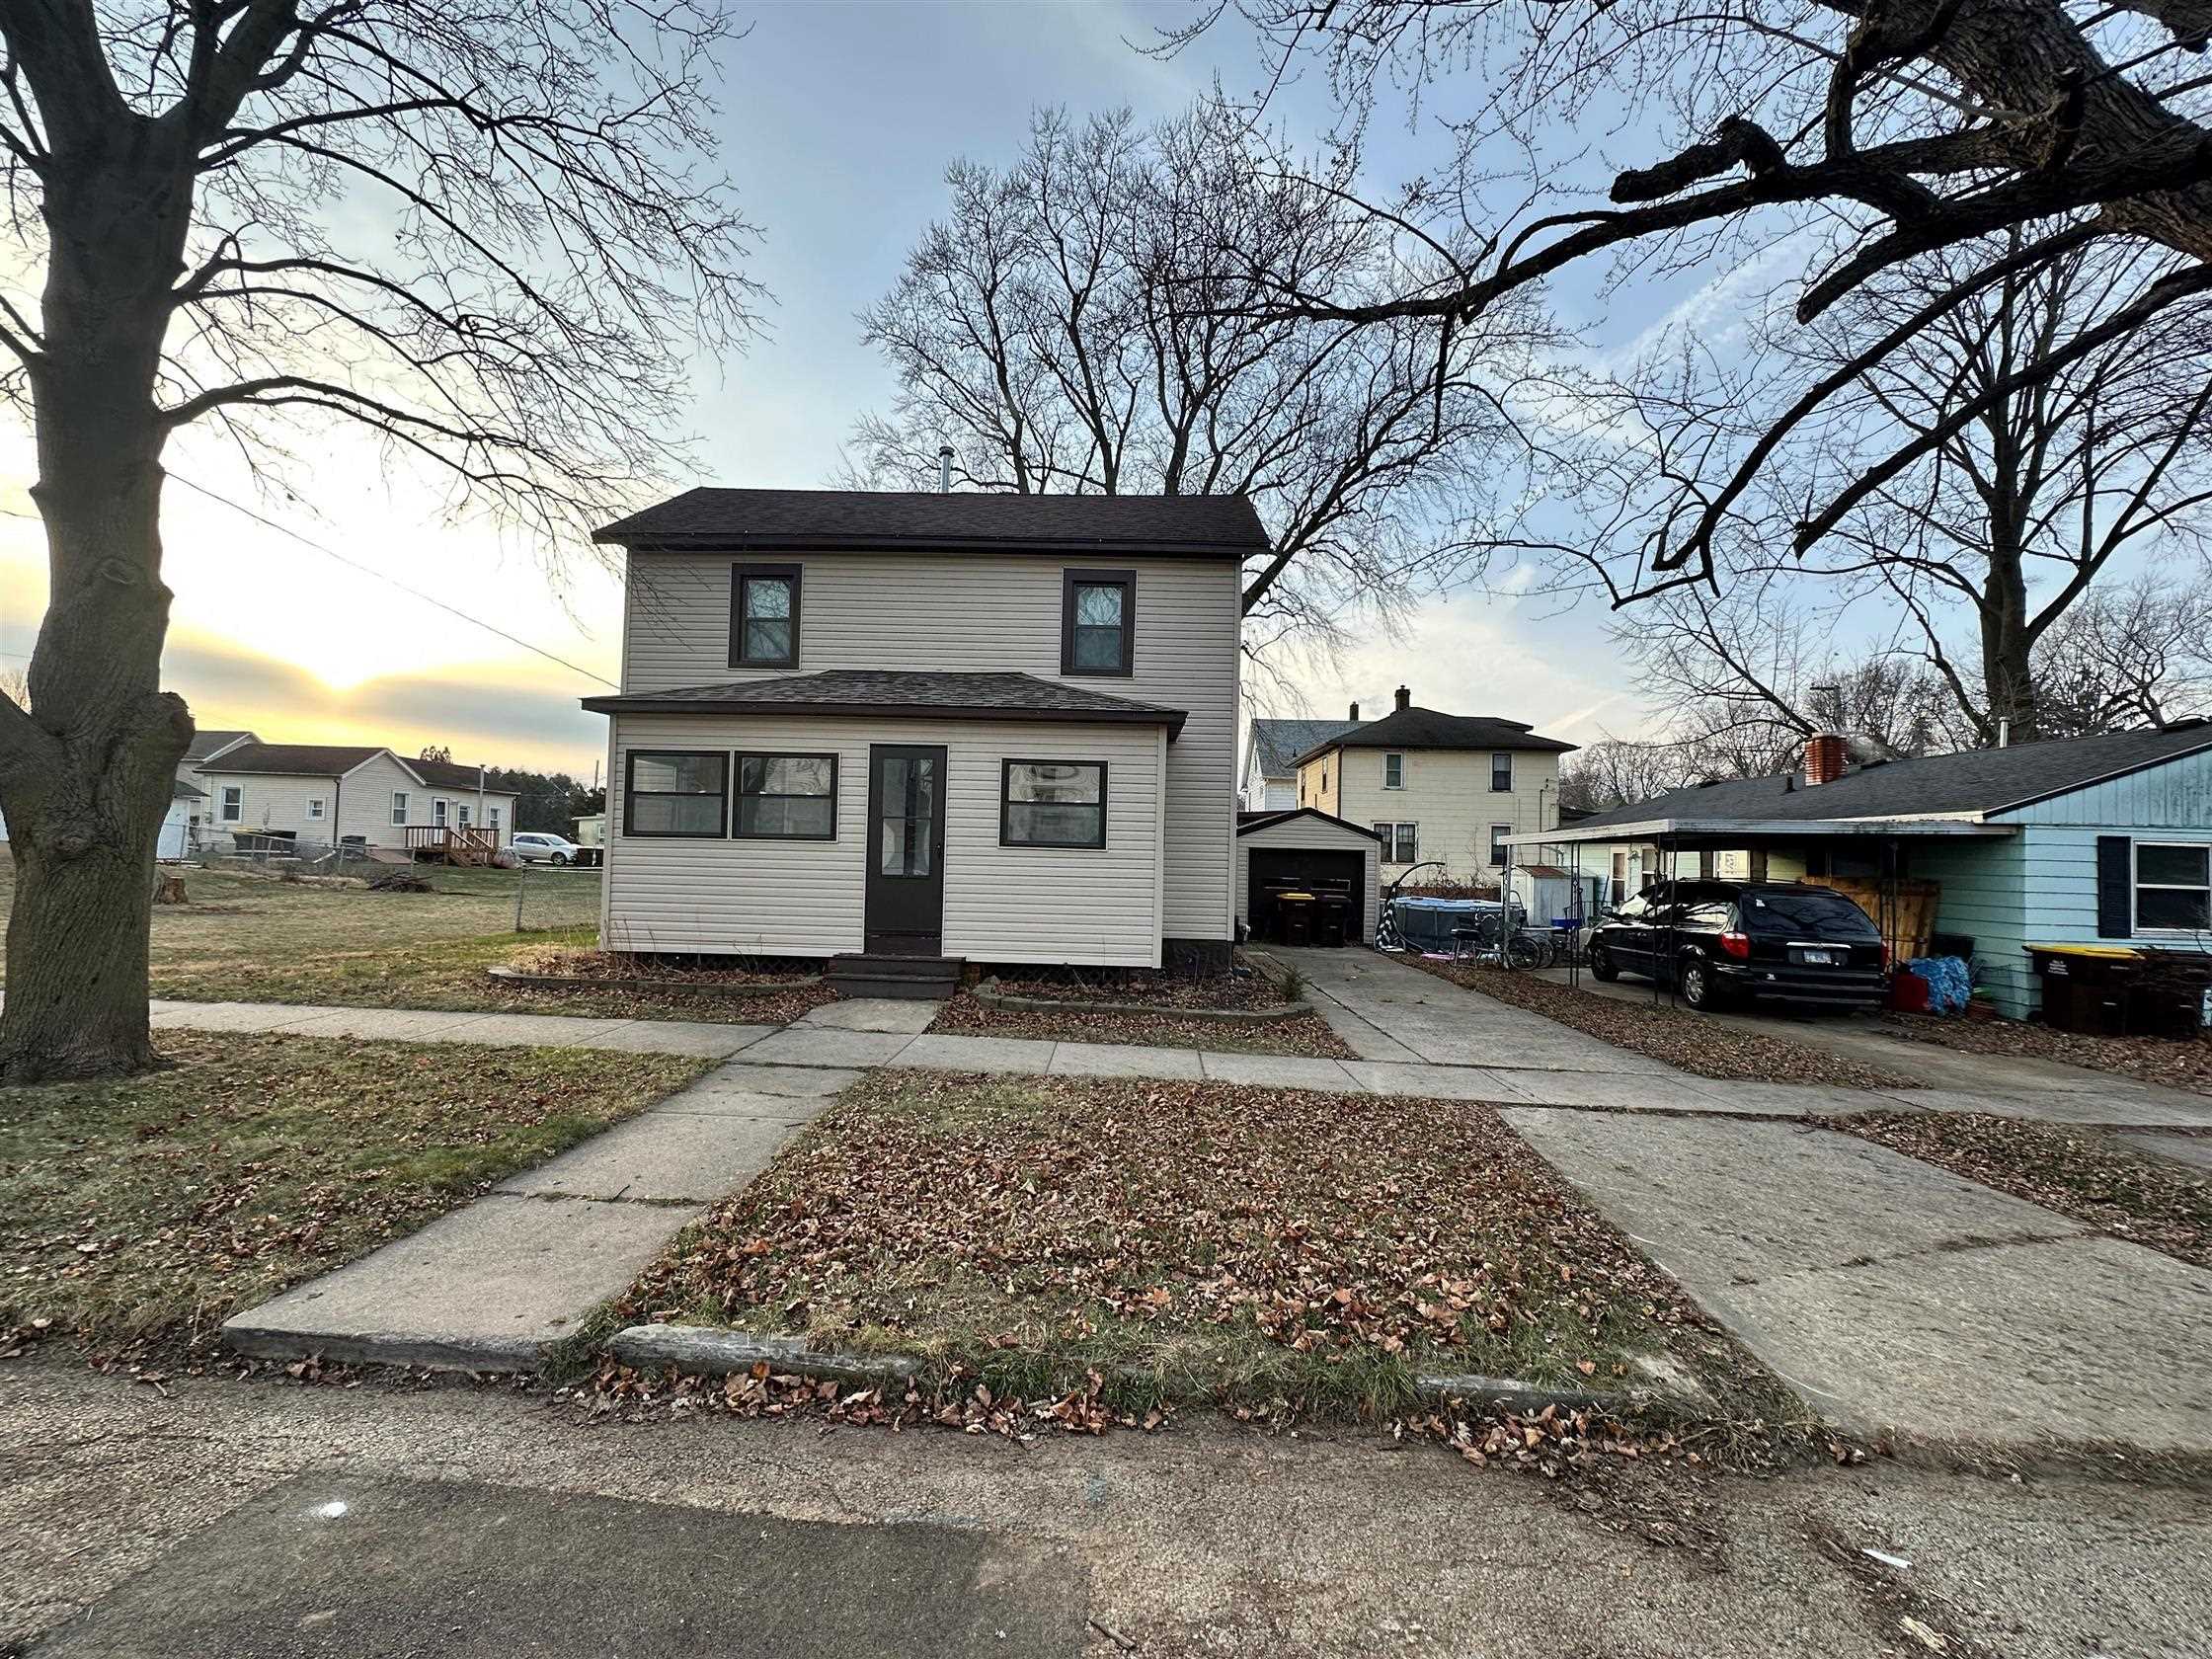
[(1817, 959)]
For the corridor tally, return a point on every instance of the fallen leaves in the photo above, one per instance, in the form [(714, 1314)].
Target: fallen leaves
[(1682, 1037), (1157, 1027), (2174, 1063)]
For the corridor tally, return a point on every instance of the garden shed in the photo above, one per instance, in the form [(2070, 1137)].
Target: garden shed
[(1308, 850)]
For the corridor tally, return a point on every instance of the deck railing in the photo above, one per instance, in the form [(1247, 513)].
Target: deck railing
[(456, 843)]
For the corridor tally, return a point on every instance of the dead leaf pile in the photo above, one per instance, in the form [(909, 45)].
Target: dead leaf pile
[(1305, 1034), (1682, 1037), (1340, 1227), (2174, 1063)]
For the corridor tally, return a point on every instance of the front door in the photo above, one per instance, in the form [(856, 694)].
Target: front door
[(906, 888)]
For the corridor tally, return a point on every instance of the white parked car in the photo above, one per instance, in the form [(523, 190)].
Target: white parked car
[(535, 847)]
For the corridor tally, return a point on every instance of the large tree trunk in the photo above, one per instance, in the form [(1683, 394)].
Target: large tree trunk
[(86, 777)]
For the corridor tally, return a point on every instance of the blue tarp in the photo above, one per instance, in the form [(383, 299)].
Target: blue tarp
[(1948, 984)]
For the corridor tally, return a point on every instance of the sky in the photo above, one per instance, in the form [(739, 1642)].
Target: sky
[(344, 615)]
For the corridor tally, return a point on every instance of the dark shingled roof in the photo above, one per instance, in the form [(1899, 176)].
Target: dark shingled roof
[(186, 791), (1279, 743), (853, 520), (1420, 728), (446, 774), (294, 760), (204, 744), (1977, 780), (898, 695), (1248, 821)]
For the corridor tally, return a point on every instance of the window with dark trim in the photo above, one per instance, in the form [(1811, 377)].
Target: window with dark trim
[(676, 791), (1501, 773), (787, 797), (1402, 842), (1051, 803), (763, 617), (2172, 887), (1098, 623)]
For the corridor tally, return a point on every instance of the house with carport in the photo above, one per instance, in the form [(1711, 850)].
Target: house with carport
[(2102, 839)]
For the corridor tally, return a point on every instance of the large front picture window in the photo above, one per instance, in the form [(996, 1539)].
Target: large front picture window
[(1052, 802), (787, 797), (2172, 887), (763, 617), (676, 791)]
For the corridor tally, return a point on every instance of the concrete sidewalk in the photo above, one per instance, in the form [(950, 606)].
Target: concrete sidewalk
[(1896, 1297)]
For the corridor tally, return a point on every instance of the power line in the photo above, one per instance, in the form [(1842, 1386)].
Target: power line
[(371, 569)]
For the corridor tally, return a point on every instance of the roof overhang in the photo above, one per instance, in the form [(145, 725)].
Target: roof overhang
[(1246, 823), (1708, 832), (645, 702)]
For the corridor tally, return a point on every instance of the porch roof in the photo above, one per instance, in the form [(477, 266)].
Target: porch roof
[(894, 694)]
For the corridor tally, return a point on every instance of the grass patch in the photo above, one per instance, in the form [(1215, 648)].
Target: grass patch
[(147, 1211), (1681, 1037), (2083, 1173), (1185, 1240)]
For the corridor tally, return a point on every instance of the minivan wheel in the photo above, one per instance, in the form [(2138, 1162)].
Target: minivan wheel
[(1697, 989), (1601, 965)]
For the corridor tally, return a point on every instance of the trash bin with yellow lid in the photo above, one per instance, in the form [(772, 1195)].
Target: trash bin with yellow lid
[(2084, 986)]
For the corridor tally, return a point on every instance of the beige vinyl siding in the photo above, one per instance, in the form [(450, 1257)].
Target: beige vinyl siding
[(1447, 792), (271, 801), (988, 613), (1311, 833), (1037, 904)]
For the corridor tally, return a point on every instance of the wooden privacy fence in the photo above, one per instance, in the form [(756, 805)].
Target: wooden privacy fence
[(1904, 911)]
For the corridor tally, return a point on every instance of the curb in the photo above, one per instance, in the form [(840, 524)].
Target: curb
[(274, 1342), (681, 987), (1520, 1397), (708, 1350), (988, 994)]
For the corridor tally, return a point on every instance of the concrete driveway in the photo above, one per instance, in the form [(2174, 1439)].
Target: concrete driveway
[(1387, 1010)]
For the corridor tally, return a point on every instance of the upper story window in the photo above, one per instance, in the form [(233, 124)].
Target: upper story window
[(763, 617), (1098, 623), (1501, 772), (1393, 772)]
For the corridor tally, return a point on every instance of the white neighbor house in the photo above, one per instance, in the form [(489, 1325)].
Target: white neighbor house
[(323, 794), (1271, 752), (999, 727)]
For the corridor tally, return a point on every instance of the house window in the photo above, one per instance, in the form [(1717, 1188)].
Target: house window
[(437, 813), (2172, 887), (491, 818), (1393, 772), (399, 806), (1498, 854), (314, 806), (1052, 802), (676, 791), (763, 617), (464, 815), (1098, 623), (234, 803), (787, 797), (1619, 881), (1400, 842), (1501, 773)]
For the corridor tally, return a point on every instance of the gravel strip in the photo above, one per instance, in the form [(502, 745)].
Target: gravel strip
[(1681, 1037)]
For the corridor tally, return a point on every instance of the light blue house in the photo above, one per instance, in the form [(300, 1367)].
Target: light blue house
[(2100, 839)]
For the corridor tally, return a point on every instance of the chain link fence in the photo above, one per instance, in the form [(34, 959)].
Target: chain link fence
[(548, 896), (539, 897)]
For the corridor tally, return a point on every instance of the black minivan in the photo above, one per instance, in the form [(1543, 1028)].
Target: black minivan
[(1721, 941)]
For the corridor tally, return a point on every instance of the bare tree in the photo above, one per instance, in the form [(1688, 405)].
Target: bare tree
[(1086, 320), (1615, 771), (475, 230), (2140, 655), (2003, 131)]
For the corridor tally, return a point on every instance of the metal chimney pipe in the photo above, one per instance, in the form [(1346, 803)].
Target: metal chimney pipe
[(944, 469)]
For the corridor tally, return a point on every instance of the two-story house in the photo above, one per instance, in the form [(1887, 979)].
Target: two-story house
[(998, 728), (1448, 788), (1271, 750)]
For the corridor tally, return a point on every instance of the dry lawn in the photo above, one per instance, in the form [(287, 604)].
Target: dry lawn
[(147, 1211), (1280, 1250)]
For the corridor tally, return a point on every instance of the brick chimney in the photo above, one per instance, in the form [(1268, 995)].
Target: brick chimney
[(1355, 711), (1824, 759), (1406, 699)]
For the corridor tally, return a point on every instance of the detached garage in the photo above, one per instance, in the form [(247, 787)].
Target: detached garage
[(1306, 851)]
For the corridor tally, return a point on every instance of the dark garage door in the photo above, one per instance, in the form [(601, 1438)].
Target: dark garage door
[(1307, 869)]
